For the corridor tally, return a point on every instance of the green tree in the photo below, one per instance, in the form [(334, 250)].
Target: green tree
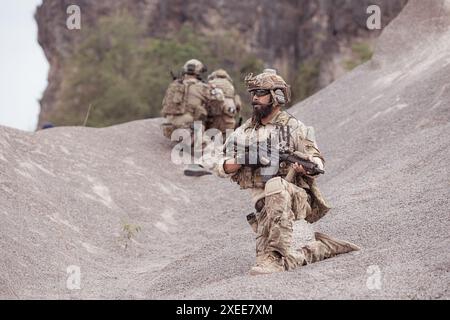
[(361, 53), (306, 83), (123, 74)]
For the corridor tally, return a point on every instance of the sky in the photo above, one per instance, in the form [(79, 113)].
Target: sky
[(24, 68)]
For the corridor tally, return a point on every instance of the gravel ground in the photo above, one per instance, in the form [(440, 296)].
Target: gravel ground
[(68, 192)]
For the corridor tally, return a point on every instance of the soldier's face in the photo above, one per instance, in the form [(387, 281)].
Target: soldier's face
[(261, 97), (262, 104)]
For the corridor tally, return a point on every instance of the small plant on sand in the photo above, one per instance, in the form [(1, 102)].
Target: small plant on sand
[(129, 232)]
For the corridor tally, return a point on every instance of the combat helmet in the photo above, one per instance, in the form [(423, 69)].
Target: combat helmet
[(220, 73), (194, 67), (269, 80)]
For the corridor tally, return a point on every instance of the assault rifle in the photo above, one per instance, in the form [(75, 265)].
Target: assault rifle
[(175, 76), (259, 155)]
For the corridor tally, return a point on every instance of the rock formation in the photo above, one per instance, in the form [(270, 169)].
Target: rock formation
[(110, 202), (284, 34)]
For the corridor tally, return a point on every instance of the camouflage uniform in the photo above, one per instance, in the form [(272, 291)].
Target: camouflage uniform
[(184, 103), (223, 116), (185, 100), (278, 202)]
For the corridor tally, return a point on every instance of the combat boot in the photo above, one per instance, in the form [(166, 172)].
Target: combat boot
[(267, 264), (253, 222), (196, 170), (336, 246)]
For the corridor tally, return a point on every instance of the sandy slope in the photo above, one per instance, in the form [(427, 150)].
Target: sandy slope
[(66, 194)]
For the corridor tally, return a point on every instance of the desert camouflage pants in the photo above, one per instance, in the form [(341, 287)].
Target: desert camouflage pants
[(284, 204), (173, 122), (183, 121)]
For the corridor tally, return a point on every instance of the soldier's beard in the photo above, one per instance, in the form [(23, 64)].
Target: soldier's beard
[(261, 111)]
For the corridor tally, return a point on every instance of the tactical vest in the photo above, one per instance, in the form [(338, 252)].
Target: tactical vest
[(248, 177), (228, 105), (184, 96), (174, 102)]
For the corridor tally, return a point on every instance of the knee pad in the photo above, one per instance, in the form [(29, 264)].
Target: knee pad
[(273, 186)]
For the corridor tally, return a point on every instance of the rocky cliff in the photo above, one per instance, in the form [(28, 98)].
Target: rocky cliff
[(110, 202), (284, 34)]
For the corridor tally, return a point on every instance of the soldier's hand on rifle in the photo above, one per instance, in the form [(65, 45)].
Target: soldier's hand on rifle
[(231, 166), (299, 169)]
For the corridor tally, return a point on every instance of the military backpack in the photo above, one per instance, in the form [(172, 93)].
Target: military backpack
[(174, 102)]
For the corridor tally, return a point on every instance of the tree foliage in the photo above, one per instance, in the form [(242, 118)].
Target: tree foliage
[(123, 73)]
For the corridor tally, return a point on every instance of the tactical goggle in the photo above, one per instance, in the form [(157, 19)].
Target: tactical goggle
[(260, 92)]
